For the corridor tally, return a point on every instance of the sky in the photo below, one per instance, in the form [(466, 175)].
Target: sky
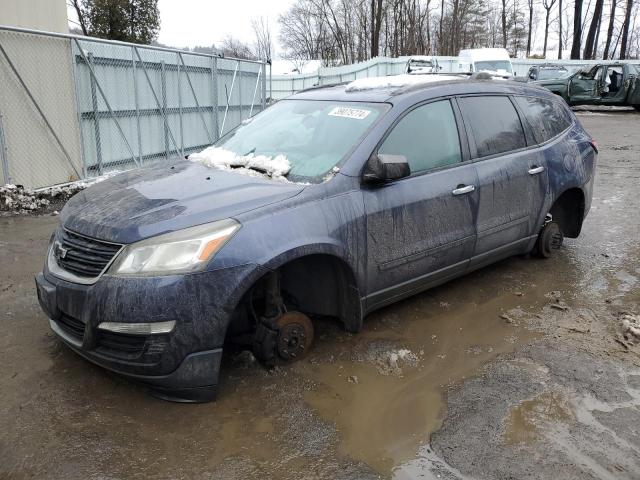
[(190, 23), (187, 23)]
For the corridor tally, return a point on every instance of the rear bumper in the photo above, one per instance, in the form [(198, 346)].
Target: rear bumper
[(183, 363)]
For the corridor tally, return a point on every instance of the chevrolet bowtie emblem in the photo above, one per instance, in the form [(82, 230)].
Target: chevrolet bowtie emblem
[(59, 251)]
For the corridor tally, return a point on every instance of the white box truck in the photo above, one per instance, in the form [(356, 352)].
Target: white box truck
[(495, 61)]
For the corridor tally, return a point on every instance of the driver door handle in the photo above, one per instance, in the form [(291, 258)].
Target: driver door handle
[(535, 170), (462, 189)]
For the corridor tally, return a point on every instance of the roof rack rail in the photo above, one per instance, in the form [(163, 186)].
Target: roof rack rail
[(317, 86)]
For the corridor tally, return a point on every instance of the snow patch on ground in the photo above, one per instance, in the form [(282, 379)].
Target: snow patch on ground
[(253, 165), (16, 200), (388, 359), (631, 325)]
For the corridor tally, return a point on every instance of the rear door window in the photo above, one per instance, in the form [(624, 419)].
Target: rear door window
[(427, 136), (546, 118), (494, 123)]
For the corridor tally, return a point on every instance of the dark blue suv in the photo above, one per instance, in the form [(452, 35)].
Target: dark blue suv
[(334, 202)]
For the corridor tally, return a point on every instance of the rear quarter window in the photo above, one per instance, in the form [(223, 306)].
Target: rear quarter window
[(494, 123), (547, 118)]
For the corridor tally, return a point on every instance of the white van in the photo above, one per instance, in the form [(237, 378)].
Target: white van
[(492, 60)]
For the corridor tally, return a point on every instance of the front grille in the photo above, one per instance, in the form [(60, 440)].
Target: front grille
[(129, 344), (71, 326), (84, 256)]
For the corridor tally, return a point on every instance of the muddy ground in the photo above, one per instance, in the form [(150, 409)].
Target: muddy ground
[(515, 371)]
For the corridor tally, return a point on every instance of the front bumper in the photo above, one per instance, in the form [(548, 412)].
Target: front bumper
[(183, 363)]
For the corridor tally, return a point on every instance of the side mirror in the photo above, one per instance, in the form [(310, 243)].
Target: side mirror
[(383, 167), (532, 76)]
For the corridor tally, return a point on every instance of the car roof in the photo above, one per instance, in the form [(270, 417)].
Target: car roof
[(551, 65), (398, 88)]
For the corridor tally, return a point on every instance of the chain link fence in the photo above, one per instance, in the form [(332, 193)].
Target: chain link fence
[(76, 107)]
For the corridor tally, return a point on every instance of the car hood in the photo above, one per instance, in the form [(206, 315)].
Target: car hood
[(144, 203)]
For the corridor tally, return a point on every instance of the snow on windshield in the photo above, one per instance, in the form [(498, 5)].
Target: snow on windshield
[(253, 165)]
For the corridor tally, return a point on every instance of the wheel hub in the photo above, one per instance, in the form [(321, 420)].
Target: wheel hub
[(295, 335)]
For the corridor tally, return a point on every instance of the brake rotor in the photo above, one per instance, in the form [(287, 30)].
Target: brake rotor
[(295, 336)]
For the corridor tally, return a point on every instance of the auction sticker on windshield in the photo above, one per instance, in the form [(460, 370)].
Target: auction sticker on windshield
[(347, 112)]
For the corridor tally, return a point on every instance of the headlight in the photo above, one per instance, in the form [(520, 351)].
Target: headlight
[(182, 251)]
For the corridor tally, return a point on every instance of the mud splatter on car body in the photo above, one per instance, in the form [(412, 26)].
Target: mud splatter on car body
[(343, 247)]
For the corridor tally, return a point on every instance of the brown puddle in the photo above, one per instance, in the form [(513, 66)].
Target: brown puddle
[(528, 419), (281, 422), (384, 419)]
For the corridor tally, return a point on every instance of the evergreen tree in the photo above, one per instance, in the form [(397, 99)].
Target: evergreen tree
[(136, 21)]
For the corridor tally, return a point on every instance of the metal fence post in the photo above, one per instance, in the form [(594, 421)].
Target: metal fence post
[(240, 89), (163, 93), (214, 93), (180, 106), (255, 91), (155, 97), (76, 90), (233, 81), (4, 155), (137, 102), (96, 118), (263, 103)]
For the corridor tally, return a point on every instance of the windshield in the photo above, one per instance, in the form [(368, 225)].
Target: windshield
[(314, 136), (494, 65), (550, 73)]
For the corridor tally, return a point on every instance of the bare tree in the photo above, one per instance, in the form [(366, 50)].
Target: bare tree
[(81, 9), (591, 43), (625, 30), (560, 29), (504, 23), (547, 5), (530, 4), (303, 34), (612, 20), (263, 46), (233, 47), (347, 31), (577, 30), (376, 25)]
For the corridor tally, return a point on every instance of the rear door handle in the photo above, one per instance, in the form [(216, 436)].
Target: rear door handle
[(461, 190), (535, 170)]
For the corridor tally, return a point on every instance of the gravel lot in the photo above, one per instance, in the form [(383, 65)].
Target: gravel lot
[(519, 370)]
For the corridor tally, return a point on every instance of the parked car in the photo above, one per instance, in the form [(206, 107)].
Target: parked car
[(420, 64), (334, 202), (495, 61), (546, 71), (602, 84)]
